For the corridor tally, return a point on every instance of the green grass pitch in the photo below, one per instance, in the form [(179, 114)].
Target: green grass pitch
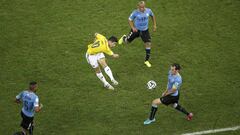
[(46, 41)]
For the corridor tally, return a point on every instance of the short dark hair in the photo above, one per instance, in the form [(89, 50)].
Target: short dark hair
[(113, 39), (32, 83), (177, 66)]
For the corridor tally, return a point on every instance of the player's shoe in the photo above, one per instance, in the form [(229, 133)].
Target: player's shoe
[(147, 63), (108, 86), (120, 41), (114, 82), (190, 116), (148, 121)]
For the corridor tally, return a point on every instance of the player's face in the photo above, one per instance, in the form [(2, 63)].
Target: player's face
[(34, 87), (173, 70), (112, 44), (141, 7)]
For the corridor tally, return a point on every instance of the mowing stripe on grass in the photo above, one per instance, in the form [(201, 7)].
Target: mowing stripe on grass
[(213, 131)]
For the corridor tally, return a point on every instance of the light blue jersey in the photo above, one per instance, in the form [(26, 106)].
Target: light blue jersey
[(141, 18), (174, 81), (30, 100)]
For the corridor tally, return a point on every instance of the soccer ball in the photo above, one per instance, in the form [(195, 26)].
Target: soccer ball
[(151, 84)]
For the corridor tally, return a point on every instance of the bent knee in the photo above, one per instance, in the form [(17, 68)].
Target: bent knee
[(156, 101)]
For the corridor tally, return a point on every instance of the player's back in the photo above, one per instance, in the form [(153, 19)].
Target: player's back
[(100, 45), (28, 99)]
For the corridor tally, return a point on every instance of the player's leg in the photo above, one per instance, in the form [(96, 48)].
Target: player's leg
[(178, 107), (25, 123), (107, 70), (19, 133), (145, 35), (93, 61), (31, 127), (129, 38), (102, 78), (154, 109)]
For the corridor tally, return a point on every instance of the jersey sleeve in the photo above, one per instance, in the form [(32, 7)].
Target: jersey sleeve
[(132, 16), (151, 13), (36, 102), (108, 51), (19, 96)]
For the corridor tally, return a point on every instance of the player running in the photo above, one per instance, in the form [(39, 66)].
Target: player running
[(170, 96), (138, 21), (95, 56), (30, 105)]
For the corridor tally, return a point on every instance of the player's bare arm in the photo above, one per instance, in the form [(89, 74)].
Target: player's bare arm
[(115, 55), (173, 90), (18, 101), (132, 26), (38, 108), (154, 23)]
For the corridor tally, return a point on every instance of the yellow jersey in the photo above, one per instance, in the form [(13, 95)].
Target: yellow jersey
[(100, 45)]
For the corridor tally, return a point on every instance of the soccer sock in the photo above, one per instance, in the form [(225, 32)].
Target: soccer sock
[(148, 51), (181, 109), (109, 72), (153, 112), (102, 78), (31, 129), (22, 133)]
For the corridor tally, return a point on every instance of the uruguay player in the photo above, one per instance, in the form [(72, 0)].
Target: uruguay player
[(30, 105), (170, 96), (138, 22)]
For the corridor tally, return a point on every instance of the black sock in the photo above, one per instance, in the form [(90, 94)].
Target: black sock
[(181, 109), (153, 112), (31, 129), (148, 52)]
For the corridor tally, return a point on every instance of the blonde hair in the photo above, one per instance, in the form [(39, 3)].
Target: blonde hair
[(141, 2)]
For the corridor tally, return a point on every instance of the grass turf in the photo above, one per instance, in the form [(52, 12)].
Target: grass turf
[(46, 41)]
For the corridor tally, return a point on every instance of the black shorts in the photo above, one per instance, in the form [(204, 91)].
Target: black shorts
[(145, 35), (26, 121), (166, 100)]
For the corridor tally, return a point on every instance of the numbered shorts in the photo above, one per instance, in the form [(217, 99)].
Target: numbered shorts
[(166, 100), (93, 59), (27, 122)]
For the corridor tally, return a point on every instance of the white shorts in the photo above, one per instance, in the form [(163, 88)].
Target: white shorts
[(93, 59)]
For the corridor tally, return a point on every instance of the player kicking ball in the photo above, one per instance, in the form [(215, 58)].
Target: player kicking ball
[(95, 56), (170, 96)]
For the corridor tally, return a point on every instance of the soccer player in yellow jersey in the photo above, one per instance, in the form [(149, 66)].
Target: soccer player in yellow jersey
[(95, 56)]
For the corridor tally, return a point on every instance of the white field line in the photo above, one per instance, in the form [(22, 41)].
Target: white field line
[(213, 131)]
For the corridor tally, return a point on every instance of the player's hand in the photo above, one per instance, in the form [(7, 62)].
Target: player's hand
[(41, 106), (17, 101), (134, 29), (154, 28), (163, 94), (115, 55)]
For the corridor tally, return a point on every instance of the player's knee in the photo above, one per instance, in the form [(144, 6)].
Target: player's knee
[(148, 45), (97, 70), (103, 63), (174, 105), (156, 102)]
